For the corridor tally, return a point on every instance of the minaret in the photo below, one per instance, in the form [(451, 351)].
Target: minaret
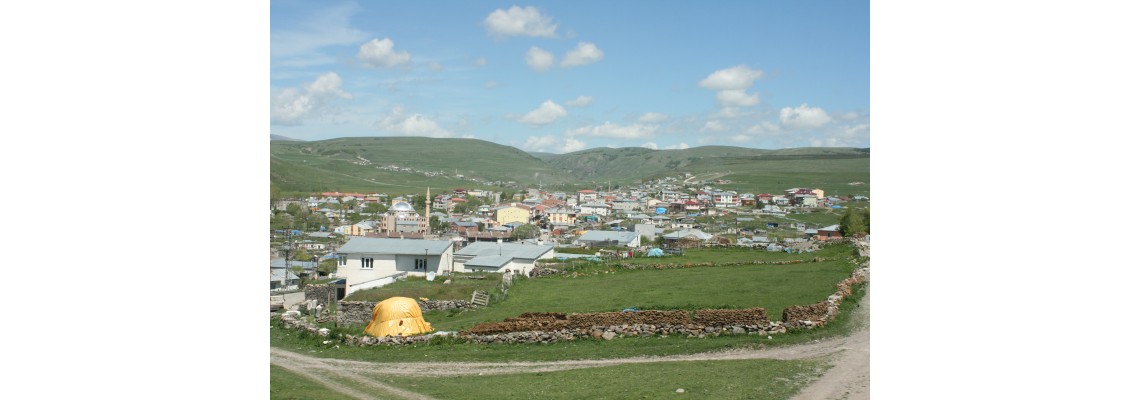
[(427, 205)]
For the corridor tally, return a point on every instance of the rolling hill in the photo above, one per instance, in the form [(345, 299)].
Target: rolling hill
[(408, 164)]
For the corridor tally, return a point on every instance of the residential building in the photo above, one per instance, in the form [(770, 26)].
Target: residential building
[(500, 257), (512, 213), (600, 209), (586, 196), (373, 262)]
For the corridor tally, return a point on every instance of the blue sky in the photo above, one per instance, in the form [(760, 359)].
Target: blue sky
[(565, 76)]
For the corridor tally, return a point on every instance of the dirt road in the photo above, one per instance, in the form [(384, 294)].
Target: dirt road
[(849, 378)]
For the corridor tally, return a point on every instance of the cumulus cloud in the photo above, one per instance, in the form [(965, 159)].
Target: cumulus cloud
[(378, 53), (291, 106), (585, 53), (652, 118), (714, 126), (736, 98), (481, 61), (581, 101), (739, 77), (517, 21), (616, 131), (411, 125), (765, 128), (324, 27), (538, 59), (803, 117), (546, 113), (553, 144), (740, 138)]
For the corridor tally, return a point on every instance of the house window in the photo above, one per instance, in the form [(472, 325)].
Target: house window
[(366, 263), (421, 263), (342, 260)]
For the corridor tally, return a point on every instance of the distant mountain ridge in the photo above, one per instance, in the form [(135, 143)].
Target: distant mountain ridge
[(279, 137), (398, 164)]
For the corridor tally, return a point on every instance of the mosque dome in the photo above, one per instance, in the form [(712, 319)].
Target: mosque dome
[(401, 206)]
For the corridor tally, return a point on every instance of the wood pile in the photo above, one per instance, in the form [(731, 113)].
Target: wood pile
[(723, 317), (794, 315), (649, 317)]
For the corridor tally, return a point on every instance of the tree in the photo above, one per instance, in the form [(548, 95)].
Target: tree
[(274, 195), (350, 205), (419, 201), (852, 224), (525, 232), (374, 208), (327, 267)]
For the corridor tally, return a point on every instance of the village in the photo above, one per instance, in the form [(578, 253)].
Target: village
[(358, 241)]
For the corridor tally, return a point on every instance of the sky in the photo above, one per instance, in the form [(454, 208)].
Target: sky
[(559, 77)]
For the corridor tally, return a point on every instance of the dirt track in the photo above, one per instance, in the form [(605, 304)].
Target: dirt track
[(849, 378)]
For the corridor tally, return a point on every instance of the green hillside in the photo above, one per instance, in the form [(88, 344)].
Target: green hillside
[(400, 165), (361, 164)]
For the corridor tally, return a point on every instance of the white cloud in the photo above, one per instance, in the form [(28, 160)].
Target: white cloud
[(650, 145), (410, 125), (538, 59), (610, 130), (554, 144), (739, 77), (546, 113), (517, 21), (581, 101), (728, 113), (571, 145), (803, 117), (714, 126), (764, 128), (585, 53), (740, 138), (291, 106), (652, 117), (736, 98), (481, 61), (378, 53)]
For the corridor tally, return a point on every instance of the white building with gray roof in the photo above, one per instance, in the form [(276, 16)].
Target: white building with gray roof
[(373, 262), (501, 257)]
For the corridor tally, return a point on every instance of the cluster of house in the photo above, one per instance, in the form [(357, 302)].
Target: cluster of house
[(400, 241)]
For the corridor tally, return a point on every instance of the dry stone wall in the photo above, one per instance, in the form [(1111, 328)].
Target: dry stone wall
[(322, 293), (654, 317)]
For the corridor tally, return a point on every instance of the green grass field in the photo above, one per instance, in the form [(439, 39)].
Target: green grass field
[(417, 287), (286, 385), (733, 379)]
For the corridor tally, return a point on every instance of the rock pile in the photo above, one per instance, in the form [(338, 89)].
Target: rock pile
[(432, 305)]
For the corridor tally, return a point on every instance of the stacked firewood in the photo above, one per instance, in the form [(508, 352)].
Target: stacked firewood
[(723, 317), (795, 316), (522, 323), (649, 317)]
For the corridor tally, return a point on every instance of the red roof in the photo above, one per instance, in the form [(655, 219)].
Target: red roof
[(585, 191)]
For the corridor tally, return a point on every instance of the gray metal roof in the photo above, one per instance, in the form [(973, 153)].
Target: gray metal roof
[(488, 261), (363, 245), (512, 250), (605, 236)]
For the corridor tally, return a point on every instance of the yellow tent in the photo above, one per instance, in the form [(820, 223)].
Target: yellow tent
[(397, 316)]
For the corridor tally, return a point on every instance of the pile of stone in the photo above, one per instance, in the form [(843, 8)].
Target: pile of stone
[(655, 317), (725, 317), (541, 272)]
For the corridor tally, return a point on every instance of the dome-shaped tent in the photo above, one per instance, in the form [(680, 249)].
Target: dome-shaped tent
[(397, 316)]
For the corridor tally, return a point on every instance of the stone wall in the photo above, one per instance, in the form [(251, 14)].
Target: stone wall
[(322, 293), (354, 312)]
